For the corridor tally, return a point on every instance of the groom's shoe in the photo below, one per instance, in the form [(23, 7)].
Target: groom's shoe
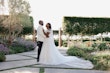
[(37, 60)]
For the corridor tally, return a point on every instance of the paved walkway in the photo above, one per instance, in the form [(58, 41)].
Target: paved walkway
[(26, 63)]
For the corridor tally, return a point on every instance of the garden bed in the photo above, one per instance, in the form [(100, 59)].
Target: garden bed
[(98, 55)]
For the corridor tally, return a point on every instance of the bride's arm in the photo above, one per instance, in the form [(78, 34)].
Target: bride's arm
[(46, 34)]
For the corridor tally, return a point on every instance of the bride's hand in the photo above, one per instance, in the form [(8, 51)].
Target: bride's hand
[(46, 34)]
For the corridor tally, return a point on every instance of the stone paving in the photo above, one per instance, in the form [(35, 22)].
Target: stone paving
[(26, 63), (72, 71)]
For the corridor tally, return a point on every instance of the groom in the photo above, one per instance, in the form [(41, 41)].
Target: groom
[(40, 38)]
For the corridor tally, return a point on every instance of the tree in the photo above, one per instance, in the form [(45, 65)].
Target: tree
[(71, 27), (1, 2), (18, 17), (28, 29), (2, 18)]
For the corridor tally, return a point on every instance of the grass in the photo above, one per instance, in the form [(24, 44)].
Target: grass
[(41, 70)]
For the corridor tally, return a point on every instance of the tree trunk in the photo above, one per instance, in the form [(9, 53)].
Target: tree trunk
[(9, 38), (81, 38), (101, 37), (10, 30), (68, 41)]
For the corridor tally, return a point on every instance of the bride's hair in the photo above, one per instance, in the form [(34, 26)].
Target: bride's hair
[(49, 25)]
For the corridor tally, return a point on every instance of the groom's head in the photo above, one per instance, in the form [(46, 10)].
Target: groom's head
[(41, 22)]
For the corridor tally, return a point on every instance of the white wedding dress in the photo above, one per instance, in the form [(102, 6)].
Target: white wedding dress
[(50, 55)]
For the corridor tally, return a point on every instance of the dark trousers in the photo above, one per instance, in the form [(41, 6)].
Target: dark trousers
[(39, 44)]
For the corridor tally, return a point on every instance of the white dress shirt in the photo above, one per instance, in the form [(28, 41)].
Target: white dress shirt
[(40, 34)]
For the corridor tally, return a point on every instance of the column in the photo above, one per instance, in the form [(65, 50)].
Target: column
[(60, 39)]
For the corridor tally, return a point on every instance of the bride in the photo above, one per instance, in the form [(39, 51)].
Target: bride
[(50, 54)]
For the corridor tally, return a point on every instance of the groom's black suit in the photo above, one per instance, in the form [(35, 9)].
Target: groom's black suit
[(39, 44)]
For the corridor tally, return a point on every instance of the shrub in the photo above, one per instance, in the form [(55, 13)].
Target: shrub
[(84, 40), (94, 45), (27, 43), (107, 39), (74, 51), (56, 42), (102, 46), (2, 56), (21, 45), (90, 49), (64, 43), (100, 62), (3, 48), (17, 49)]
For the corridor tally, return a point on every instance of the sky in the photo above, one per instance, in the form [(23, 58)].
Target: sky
[(53, 11)]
